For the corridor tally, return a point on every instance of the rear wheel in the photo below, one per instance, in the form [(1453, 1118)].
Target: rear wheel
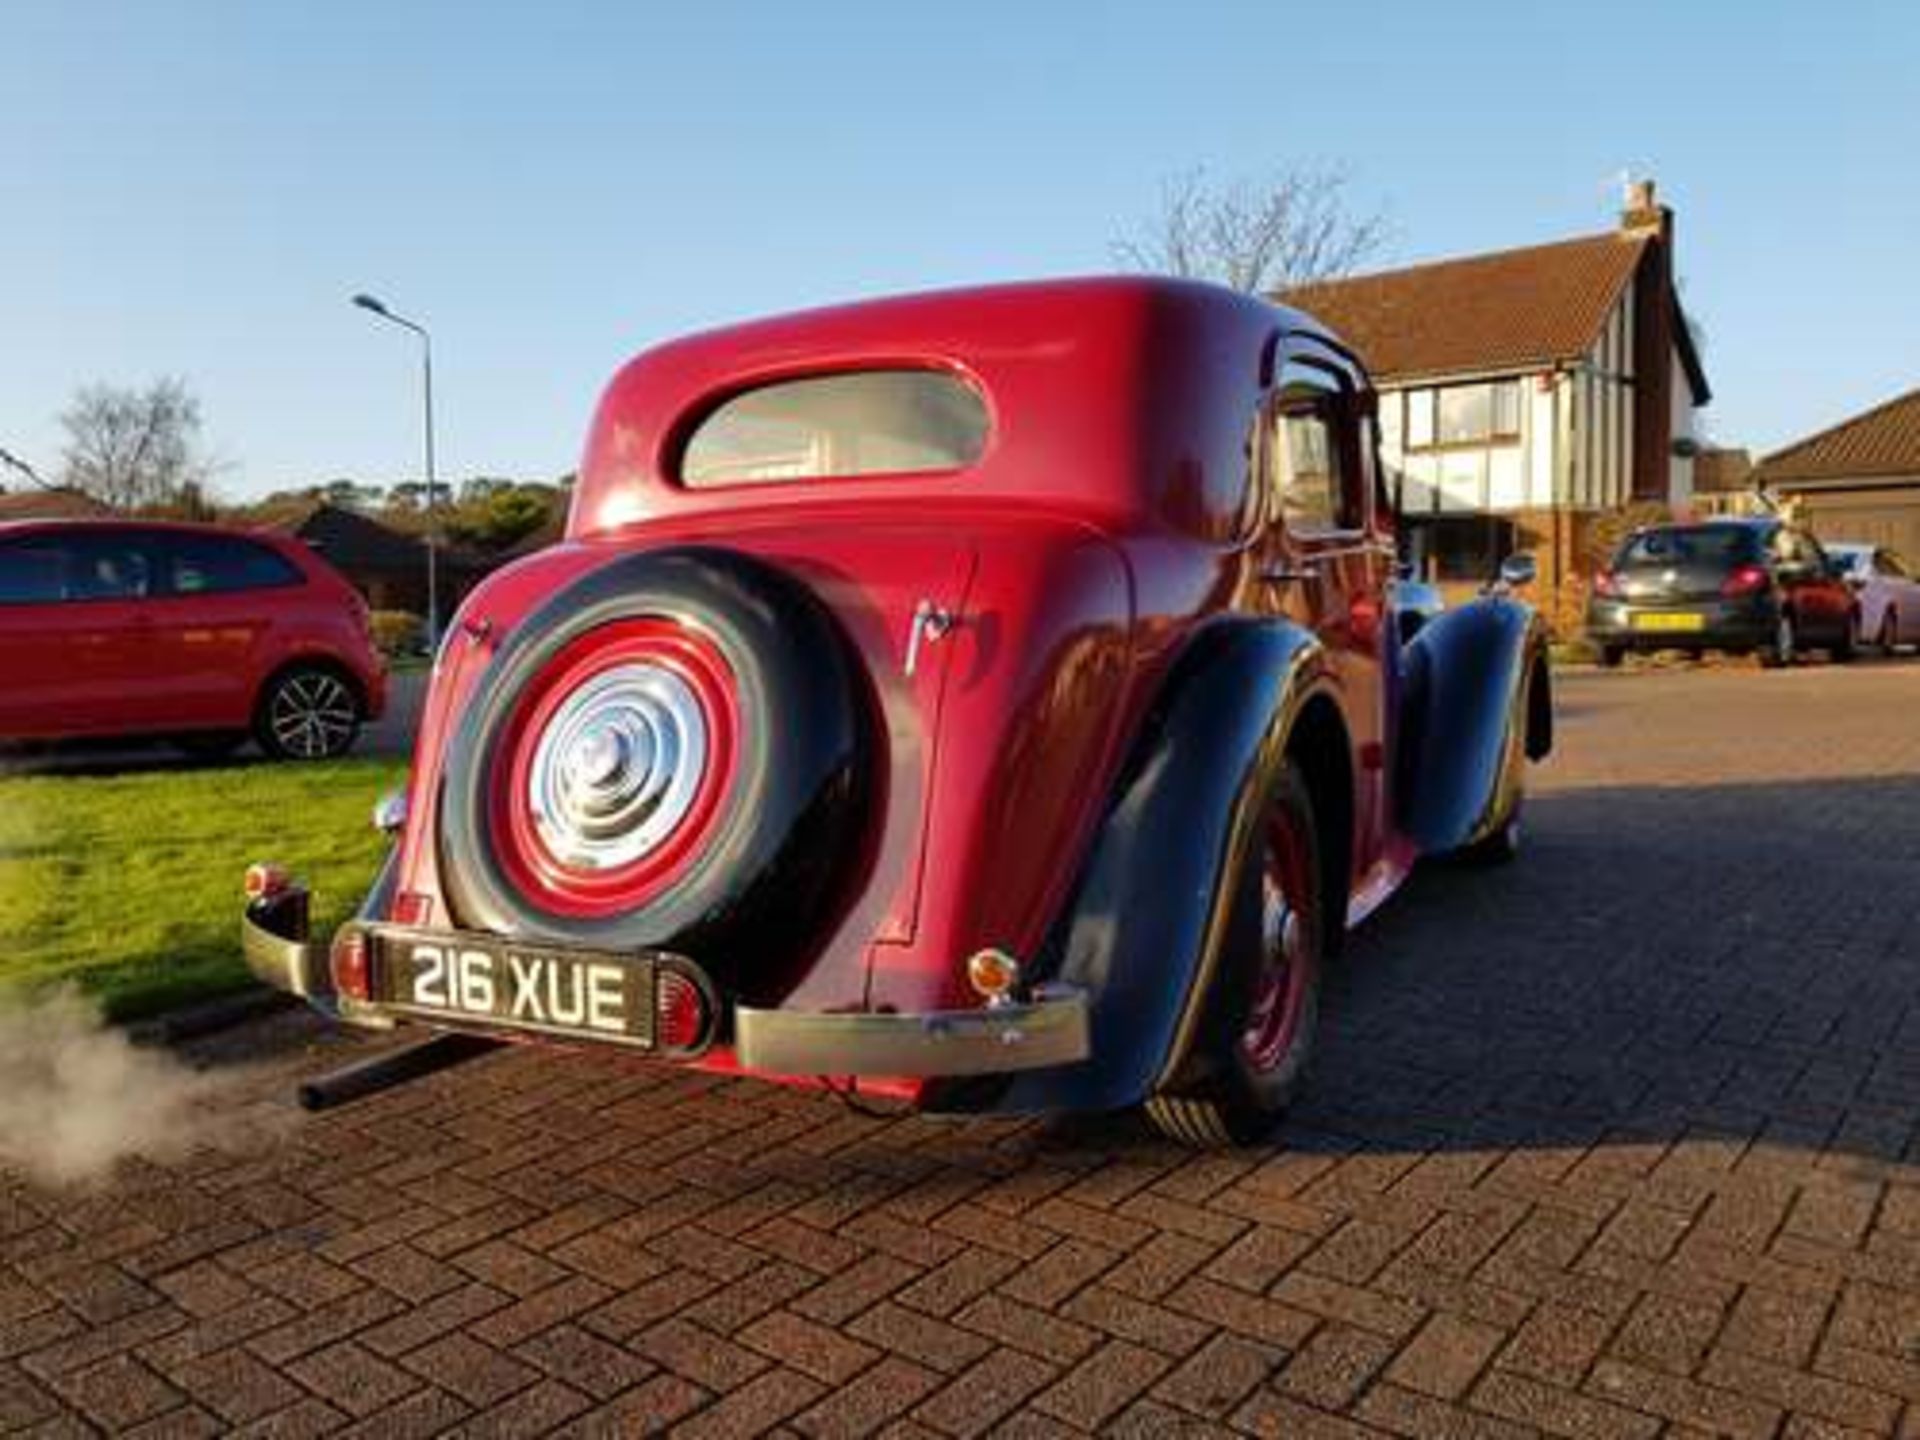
[(1889, 631), (1499, 846), (309, 712), (1610, 656), (1848, 644), (1264, 1012), (1783, 646)]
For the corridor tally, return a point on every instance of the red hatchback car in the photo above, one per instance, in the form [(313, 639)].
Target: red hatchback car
[(190, 633)]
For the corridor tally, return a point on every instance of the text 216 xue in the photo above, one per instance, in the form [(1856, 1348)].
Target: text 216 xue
[(995, 699)]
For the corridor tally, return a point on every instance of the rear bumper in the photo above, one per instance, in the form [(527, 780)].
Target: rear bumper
[(1049, 1029), (1743, 624)]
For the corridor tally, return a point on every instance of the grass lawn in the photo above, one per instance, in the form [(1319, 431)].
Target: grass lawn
[(129, 885)]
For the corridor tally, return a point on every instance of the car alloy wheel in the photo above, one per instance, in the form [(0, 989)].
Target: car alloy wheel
[(1780, 652), (310, 714)]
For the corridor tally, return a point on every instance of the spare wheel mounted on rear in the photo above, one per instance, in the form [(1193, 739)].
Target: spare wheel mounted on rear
[(673, 752)]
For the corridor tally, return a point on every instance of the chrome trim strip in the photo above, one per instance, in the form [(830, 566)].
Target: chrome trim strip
[(1051, 1029)]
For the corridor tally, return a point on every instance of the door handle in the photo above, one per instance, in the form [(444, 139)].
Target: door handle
[(930, 622)]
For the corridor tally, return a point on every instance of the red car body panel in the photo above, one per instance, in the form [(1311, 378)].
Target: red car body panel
[(165, 664)]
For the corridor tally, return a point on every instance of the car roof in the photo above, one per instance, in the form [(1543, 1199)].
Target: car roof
[(80, 525), (1094, 385)]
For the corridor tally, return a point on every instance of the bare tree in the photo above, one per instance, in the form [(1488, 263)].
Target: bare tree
[(135, 448), (1258, 236)]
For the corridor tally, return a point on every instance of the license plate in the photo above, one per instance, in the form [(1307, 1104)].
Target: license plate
[(526, 987), (1678, 620)]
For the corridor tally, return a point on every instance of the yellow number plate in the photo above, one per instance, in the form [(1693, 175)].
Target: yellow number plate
[(1682, 620)]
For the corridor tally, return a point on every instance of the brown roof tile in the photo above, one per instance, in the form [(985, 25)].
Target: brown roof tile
[(1504, 311), (48, 505), (1882, 441)]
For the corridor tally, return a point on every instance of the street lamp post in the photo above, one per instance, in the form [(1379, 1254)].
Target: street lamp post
[(375, 307)]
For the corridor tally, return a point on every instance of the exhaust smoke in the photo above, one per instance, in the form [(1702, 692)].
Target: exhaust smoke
[(77, 1096)]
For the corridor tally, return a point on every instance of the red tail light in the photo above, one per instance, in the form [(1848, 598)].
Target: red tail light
[(1747, 580), (680, 1011), (1607, 583), (351, 975)]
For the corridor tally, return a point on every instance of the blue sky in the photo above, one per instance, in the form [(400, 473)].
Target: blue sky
[(195, 189)]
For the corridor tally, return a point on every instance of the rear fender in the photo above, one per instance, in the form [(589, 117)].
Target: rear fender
[(1149, 916), (1476, 703)]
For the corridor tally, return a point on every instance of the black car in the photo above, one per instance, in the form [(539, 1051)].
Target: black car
[(1748, 585)]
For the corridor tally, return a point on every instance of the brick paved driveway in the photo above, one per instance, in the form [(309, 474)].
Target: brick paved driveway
[(1619, 1142)]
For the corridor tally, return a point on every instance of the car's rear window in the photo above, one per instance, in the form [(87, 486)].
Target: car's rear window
[(1690, 545), (870, 422)]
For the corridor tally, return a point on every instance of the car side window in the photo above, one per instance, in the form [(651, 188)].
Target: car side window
[(108, 567), (1304, 467), (33, 572), (1890, 564), (212, 565)]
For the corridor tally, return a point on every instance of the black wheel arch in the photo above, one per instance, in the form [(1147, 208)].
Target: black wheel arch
[(1152, 910)]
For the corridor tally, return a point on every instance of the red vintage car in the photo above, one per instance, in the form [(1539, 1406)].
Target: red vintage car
[(194, 633), (996, 699)]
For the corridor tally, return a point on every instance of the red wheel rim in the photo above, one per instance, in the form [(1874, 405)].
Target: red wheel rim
[(1286, 961), (644, 712)]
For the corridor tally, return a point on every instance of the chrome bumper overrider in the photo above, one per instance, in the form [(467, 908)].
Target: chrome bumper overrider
[(294, 965), (1050, 1029)]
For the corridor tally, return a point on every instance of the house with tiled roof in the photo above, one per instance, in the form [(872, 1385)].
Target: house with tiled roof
[(1858, 480), (56, 503), (1527, 392)]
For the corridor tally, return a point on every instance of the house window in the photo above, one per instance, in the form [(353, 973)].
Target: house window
[(1464, 415), (1460, 548)]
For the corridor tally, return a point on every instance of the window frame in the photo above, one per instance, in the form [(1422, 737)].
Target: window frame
[(1431, 395), (1327, 394), (161, 553), (700, 416)]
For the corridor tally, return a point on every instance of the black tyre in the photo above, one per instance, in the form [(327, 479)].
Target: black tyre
[(1888, 638), (1264, 1013), (309, 711), (674, 752), (1500, 845), (1610, 656)]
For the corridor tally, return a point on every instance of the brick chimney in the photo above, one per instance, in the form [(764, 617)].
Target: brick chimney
[(1653, 339)]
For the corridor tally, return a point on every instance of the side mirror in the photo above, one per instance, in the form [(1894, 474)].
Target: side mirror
[(1518, 570)]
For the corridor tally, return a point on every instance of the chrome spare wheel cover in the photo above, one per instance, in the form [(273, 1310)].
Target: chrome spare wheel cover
[(618, 767)]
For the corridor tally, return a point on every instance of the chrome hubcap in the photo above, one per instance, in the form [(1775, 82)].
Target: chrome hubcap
[(618, 768), (313, 716)]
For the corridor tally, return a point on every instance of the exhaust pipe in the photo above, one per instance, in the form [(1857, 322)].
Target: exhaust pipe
[(396, 1067)]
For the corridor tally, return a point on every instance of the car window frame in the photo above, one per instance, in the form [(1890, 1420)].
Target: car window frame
[(72, 540), (1309, 386), (160, 542)]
